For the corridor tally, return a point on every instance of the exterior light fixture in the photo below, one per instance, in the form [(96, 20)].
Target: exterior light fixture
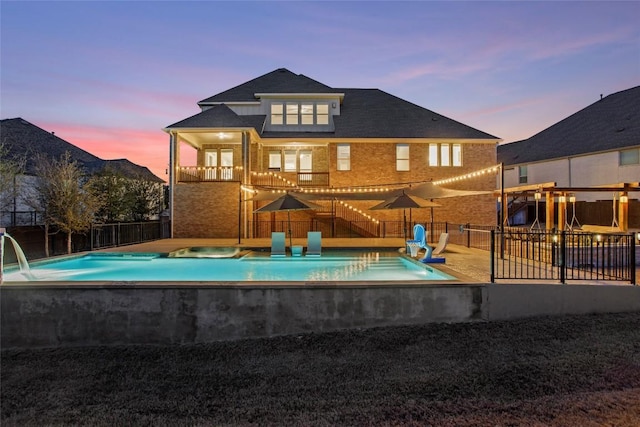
[(624, 199), (562, 199), (537, 196), (572, 199)]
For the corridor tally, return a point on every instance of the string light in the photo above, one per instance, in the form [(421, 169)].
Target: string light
[(492, 169)]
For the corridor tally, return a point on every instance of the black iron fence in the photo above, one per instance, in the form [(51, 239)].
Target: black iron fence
[(127, 233), (562, 256)]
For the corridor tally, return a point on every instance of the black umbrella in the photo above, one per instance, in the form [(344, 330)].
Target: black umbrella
[(404, 201), (288, 203)]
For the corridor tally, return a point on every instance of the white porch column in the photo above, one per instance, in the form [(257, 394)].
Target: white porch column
[(173, 164)]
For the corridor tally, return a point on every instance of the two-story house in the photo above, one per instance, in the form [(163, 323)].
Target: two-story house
[(588, 162), (342, 147)]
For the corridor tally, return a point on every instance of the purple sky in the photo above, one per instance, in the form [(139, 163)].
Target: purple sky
[(108, 76)]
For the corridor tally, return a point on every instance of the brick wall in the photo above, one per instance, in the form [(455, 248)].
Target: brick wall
[(206, 210)]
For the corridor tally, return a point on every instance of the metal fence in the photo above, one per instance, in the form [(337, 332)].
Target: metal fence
[(562, 256), (20, 218), (127, 233)]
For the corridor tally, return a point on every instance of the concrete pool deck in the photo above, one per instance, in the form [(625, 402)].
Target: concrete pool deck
[(467, 264)]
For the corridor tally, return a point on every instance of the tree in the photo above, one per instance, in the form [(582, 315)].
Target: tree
[(113, 191), (125, 199), (63, 197), (10, 169)]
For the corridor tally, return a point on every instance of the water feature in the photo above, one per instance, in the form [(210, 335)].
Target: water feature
[(23, 264)]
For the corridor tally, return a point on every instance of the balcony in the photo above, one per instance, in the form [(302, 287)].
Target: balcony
[(290, 179), (209, 174)]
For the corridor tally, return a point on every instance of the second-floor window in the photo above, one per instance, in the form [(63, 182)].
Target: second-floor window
[(344, 157), (522, 174), (299, 113), (445, 154), (402, 157), (630, 157)]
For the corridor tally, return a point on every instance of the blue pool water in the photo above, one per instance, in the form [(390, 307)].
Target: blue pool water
[(368, 266)]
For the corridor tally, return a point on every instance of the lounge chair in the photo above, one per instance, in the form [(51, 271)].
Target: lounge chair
[(278, 246), (442, 244), (314, 243)]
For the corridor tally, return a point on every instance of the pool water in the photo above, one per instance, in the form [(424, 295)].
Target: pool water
[(339, 266)]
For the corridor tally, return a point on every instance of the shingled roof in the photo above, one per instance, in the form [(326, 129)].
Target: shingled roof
[(23, 139), (364, 113), (612, 123), (277, 81)]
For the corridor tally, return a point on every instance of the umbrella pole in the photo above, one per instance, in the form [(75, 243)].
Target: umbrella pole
[(290, 241)]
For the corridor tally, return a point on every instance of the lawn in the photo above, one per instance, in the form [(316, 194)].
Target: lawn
[(566, 371)]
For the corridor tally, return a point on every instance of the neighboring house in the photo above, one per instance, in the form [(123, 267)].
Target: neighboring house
[(285, 131), (23, 140), (591, 155)]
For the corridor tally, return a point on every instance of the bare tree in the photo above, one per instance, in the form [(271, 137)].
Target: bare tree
[(61, 194)]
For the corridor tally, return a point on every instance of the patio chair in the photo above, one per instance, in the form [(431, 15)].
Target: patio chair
[(278, 246), (442, 244), (314, 243)]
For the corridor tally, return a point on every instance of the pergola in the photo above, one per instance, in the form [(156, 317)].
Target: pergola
[(564, 194)]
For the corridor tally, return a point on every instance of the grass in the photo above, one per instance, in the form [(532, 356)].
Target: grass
[(565, 371)]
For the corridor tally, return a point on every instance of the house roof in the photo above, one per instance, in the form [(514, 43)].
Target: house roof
[(612, 123), (277, 81), (23, 139), (364, 113), (218, 116)]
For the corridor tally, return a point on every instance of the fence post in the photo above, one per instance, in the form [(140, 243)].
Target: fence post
[(562, 256), (632, 259), (493, 255), (468, 226)]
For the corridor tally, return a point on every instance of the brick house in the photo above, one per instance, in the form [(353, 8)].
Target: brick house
[(344, 148)]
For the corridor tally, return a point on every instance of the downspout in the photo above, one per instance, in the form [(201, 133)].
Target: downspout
[(173, 144), (246, 169)]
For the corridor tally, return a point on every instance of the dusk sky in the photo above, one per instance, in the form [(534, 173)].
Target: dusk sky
[(108, 76)]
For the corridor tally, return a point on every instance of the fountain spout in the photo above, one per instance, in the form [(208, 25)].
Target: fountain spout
[(23, 264)]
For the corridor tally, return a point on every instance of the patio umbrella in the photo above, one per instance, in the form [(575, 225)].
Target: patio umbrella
[(288, 203), (404, 201)]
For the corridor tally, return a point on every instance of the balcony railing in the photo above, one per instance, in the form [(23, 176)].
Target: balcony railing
[(209, 173)]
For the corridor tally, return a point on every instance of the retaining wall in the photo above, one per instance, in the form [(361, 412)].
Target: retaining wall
[(99, 314)]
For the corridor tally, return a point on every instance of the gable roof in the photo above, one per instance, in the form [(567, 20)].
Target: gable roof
[(612, 123), (364, 113), (218, 116), (23, 139), (277, 81)]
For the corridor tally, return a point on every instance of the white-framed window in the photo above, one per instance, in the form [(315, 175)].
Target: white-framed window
[(299, 113), (630, 157), (275, 160), (344, 157), (277, 114), (306, 165), (226, 163), (456, 155), (522, 174), (292, 113), (306, 114), (433, 155), (402, 157), (290, 164), (445, 154), (322, 114)]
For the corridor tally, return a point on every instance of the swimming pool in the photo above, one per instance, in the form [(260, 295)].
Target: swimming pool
[(251, 267)]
